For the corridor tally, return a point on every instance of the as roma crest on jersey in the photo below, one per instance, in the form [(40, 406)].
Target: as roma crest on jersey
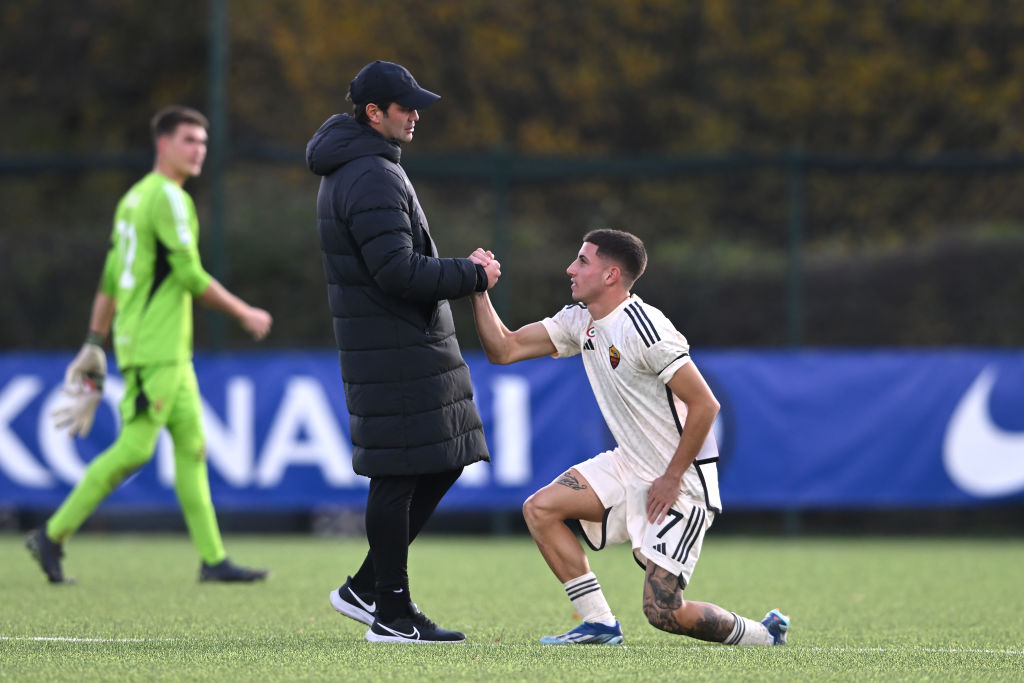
[(614, 356)]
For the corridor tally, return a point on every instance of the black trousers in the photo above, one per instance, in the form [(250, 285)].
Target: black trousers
[(397, 508)]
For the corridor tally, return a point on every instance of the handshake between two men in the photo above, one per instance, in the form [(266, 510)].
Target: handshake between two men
[(491, 265)]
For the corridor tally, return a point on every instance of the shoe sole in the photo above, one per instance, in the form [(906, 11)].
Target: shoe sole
[(349, 610), (244, 579), (614, 640), (376, 638)]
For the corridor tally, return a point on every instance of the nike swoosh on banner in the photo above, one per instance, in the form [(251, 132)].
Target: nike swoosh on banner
[(415, 635), (980, 457)]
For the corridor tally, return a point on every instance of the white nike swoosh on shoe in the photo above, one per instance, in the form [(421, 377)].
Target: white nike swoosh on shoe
[(415, 635), (368, 607), (980, 457)]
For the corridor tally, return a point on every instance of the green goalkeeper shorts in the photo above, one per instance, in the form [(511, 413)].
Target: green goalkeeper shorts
[(156, 389)]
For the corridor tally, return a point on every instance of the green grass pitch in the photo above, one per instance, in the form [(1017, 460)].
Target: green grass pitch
[(862, 609)]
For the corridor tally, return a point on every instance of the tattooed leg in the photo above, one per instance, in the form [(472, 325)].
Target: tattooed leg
[(572, 480), (568, 497), (666, 609)]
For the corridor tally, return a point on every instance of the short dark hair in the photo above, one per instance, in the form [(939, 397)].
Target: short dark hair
[(359, 110), (624, 248), (167, 120)]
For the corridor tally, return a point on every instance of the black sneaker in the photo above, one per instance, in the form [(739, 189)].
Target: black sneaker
[(48, 554), (412, 628), (228, 572), (354, 604)]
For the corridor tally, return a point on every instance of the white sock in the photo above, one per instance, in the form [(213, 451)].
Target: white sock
[(748, 632), (588, 600)]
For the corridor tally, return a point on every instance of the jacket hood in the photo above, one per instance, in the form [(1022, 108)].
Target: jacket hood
[(341, 139)]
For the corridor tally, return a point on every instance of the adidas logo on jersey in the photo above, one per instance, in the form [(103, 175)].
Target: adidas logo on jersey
[(589, 345)]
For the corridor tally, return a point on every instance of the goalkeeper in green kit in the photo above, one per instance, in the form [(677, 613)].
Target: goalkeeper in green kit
[(151, 275)]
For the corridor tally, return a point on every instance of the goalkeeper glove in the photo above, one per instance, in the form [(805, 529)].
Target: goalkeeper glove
[(83, 382), (81, 411), (90, 364)]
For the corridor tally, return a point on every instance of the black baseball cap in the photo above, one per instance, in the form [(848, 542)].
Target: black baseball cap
[(380, 82)]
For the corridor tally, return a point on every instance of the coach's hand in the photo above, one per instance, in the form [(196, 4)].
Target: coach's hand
[(491, 266), (481, 256)]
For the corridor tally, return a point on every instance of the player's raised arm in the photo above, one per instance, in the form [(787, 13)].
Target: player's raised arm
[(503, 346)]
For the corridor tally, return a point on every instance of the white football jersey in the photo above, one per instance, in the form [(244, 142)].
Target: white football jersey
[(629, 356)]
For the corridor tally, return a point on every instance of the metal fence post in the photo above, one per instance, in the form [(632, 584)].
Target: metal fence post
[(500, 240), (795, 171), (217, 161)]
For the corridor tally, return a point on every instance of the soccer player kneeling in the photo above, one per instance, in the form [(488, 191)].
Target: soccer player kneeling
[(658, 488)]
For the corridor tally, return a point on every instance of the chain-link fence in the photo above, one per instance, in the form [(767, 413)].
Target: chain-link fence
[(745, 251)]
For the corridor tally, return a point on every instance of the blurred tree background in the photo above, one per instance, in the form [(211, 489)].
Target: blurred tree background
[(895, 251)]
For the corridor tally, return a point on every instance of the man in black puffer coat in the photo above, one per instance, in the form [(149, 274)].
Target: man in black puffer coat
[(412, 419)]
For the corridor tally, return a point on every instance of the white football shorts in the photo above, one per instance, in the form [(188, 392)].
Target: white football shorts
[(673, 545)]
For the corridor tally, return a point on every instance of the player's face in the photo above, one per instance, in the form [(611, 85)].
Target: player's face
[(587, 274), (185, 150), (398, 123)]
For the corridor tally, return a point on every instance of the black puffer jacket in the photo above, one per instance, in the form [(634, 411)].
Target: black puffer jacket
[(406, 385)]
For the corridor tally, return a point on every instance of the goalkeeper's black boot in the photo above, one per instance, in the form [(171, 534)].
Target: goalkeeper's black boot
[(227, 571), (48, 554)]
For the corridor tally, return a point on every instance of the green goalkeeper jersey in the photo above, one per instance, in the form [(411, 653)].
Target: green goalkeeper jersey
[(153, 270)]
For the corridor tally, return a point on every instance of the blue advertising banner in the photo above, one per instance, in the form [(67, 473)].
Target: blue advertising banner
[(800, 429)]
